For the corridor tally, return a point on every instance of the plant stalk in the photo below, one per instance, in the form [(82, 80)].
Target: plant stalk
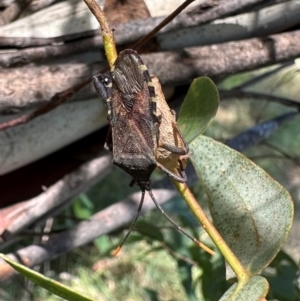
[(241, 273), (106, 31)]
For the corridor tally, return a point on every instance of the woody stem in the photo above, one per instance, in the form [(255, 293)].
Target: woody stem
[(107, 33)]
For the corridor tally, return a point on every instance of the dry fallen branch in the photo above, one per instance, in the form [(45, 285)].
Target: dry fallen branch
[(57, 196), (124, 34), (135, 30), (216, 61)]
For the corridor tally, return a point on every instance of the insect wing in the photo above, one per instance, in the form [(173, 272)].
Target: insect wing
[(133, 119)]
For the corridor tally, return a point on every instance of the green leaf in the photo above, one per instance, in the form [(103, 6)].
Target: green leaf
[(103, 244), (252, 211), (199, 107), (51, 285), (254, 290), (83, 207)]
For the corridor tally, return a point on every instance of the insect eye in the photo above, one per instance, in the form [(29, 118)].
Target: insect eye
[(106, 81)]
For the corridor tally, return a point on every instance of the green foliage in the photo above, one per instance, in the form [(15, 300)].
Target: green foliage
[(251, 211)]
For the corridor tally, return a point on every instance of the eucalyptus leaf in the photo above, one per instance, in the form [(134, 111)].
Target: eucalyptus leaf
[(199, 107), (252, 211), (254, 290), (51, 285)]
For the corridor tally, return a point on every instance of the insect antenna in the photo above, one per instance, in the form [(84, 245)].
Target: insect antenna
[(117, 250), (177, 227)]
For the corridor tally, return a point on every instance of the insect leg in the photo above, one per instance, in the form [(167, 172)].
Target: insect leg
[(184, 151), (117, 250), (199, 243), (180, 179), (108, 145)]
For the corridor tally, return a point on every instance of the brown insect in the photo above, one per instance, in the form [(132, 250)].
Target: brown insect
[(143, 132)]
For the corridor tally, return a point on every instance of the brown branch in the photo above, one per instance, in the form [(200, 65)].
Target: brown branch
[(240, 94), (106, 31), (135, 30), (124, 33), (166, 21), (99, 14)]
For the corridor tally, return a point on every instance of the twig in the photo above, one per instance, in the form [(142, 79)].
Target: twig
[(217, 60), (259, 132), (166, 21), (55, 101), (241, 94), (282, 152), (270, 156), (106, 31), (261, 77)]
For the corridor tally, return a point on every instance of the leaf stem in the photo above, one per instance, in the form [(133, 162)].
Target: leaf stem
[(166, 21), (106, 31), (241, 273)]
